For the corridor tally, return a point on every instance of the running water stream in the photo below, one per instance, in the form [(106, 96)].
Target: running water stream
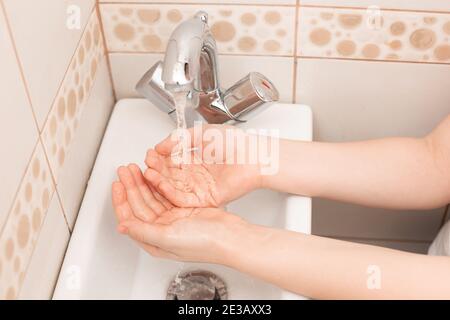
[(180, 99)]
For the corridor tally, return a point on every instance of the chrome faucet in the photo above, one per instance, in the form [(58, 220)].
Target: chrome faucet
[(190, 66)]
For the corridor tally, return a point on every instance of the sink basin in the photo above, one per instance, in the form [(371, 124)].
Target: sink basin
[(101, 264)]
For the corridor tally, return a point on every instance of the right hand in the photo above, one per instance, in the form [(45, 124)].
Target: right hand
[(184, 234), (215, 179)]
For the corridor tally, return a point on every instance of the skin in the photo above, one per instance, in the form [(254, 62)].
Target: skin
[(395, 173)]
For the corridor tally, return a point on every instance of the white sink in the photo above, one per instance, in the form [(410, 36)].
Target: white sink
[(101, 264)]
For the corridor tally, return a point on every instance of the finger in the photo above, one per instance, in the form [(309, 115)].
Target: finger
[(134, 196), (146, 193), (159, 197), (163, 186), (152, 234), (120, 203), (167, 146), (154, 160)]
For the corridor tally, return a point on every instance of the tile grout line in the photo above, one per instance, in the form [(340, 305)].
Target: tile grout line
[(382, 9), (27, 93), (67, 69), (106, 49), (374, 60), (52, 174), (444, 11), (19, 64), (22, 180), (134, 3), (56, 185), (296, 44), (292, 56), (19, 289), (220, 54), (62, 209)]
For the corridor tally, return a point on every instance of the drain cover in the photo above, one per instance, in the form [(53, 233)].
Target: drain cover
[(197, 285)]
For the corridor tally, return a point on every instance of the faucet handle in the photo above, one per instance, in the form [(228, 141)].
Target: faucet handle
[(151, 86), (249, 95)]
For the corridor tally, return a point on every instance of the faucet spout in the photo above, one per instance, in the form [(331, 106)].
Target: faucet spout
[(191, 57), (190, 66)]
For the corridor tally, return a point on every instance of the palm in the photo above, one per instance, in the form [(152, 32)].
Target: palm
[(189, 233), (199, 183), (210, 179)]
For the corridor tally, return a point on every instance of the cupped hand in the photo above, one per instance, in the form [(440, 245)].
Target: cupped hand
[(218, 169), (185, 234)]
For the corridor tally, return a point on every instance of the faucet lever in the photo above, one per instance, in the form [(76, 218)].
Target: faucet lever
[(190, 64)]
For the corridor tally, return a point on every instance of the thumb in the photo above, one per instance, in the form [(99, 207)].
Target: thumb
[(152, 234)]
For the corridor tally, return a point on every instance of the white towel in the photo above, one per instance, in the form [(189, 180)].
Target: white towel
[(441, 245)]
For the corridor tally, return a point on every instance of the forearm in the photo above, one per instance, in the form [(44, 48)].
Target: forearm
[(394, 173), (324, 268)]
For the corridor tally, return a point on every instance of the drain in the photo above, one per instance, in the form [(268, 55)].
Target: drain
[(197, 285)]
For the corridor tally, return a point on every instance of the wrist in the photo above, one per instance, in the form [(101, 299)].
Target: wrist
[(243, 241)]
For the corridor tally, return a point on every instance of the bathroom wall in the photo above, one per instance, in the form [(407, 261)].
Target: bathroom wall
[(367, 72), (56, 97)]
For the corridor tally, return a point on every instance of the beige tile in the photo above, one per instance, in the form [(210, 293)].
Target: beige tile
[(127, 69), (380, 35), (84, 146), (439, 5), (70, 101), (18, 133), (336, 219), (237, 29), (19, 236), (409, 246), (43, 270), (356, 100), (45, 45), (222, 2)]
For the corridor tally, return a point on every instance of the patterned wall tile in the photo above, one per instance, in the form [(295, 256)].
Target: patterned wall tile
[(436, 5), (24, 223), (375, 35), (63, 118), (222, 2), (237, 29)]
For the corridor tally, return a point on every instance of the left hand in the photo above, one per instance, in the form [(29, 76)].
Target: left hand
[(186, 234)]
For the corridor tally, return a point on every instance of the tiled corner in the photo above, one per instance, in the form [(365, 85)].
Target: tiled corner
[(45, 44), (127, 69), (70, 101), (22, 228), (256, 30), (374, 35), (43, 269), (84, 146), (16, 120)]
